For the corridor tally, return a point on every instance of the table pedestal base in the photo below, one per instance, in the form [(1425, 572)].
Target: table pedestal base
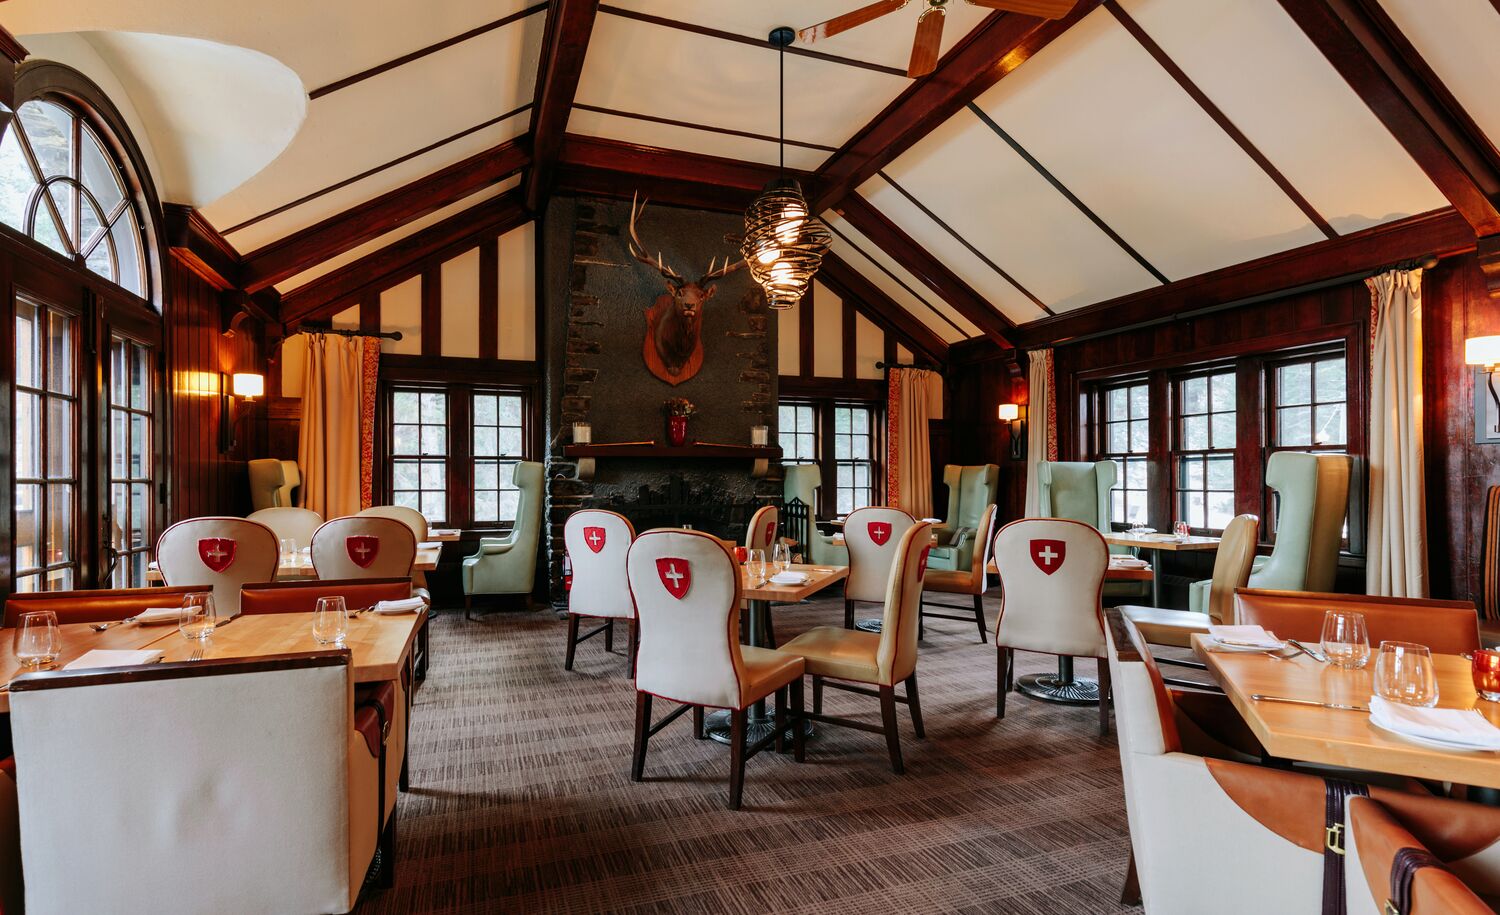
[(1060, 687), (716, 726), (869, 625)]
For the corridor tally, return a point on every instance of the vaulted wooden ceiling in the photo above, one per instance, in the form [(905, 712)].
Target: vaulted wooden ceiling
[(1046, 167)]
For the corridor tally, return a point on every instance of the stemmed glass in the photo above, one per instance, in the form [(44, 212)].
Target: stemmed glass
[(1182, 530), (37, 641), (330, 621), (1346, 641), (756, 566), (781, 557), (289, 554), (198, 617), (1404, 673)]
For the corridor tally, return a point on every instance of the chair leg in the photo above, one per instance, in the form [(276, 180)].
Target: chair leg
[(1010, 669), (779, 718), (736, 757), (848, 613), (698, 731), (914, 705), (635, 644), (572, 640), (817, 695), (642, 734), (1003, 660), (1130, 894), (979, 617), (387, 846), (921, 620), (468, 607), (609, 635), (799, 752), (892, 736), (1106, 694)]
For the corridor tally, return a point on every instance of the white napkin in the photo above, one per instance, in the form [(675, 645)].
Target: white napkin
[(409, 605), (1127, 562), (104, 657), (789, 578), (1244, 637), (158, 615), (1449, 725)]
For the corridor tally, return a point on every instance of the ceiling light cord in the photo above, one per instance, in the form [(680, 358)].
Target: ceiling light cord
[(781, 104)]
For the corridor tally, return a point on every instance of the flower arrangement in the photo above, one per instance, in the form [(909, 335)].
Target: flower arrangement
[(678, 406)]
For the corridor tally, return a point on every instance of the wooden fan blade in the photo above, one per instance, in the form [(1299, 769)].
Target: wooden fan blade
[(1046, 9), (924, 51), (849, 20)]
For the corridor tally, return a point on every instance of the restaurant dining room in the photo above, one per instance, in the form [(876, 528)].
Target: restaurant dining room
[(503, 457)]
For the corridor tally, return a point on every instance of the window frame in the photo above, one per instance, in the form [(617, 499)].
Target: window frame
[(1178, 452), (873, 463), (1099, 448), (500, 460), (823, 413)]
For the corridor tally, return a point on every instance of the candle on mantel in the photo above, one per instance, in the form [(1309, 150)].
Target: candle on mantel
[(583, 434), (760, 435)]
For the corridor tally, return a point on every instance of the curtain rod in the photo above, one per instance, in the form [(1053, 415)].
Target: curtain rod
[(907, 365), (389, 335)]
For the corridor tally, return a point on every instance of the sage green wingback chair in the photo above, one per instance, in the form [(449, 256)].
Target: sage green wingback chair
[(273, 483), (1313, 498), (970, 491), (1080, 491), (507, 565), (803, 482)]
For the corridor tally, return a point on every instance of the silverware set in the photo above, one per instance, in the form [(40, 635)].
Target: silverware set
[(100, 627), (1260, 697)]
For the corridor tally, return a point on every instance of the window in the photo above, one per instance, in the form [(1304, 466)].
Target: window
[(499, 442), (854, 456), (132, 532), (1204, 450), (1310, 397), (797, 433), (1126, 435), (46, 459), (419, 452)]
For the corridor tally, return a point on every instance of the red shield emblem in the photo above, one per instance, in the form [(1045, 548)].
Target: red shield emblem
[(217, 552), (362, 549), (770, 532), (922, 562), (1048, 554), (676, 575), (594, 537), (880, 532)]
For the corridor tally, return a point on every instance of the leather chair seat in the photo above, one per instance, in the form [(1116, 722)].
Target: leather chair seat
[(1167, 627), (844, 654), (766, 670), (948, 582)]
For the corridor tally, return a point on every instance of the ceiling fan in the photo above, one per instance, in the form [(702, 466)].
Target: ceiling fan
[(929, 40)]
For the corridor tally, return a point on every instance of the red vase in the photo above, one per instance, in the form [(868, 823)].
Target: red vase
[(677, 431)]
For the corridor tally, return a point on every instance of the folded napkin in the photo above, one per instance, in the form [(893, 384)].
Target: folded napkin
[(408, 605), (1244, 637), (158, 615), (103, 657), (1466, 727), (1127, 562), (789, 578)]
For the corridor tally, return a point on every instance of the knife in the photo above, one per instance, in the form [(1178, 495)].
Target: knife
[(1260, 697)]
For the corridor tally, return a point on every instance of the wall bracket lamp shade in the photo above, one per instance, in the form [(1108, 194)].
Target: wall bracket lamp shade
[(1484, 351), (249, 385), (1015, 414), (784, 244)]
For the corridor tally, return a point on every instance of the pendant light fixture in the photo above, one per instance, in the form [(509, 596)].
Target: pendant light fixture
[(784, 243)]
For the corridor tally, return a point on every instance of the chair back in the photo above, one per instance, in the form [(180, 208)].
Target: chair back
[(302, 596), (1040, 609), (802, 481), (273, 483), (687, 596), (761, 533), (873, 536), (364, 547), (1312, 499), (93, 606), (1424, 889), (407, 516), (597, 543), (222, 553), (1445, 626), (240, 771), (970, 489), (1232, 566), (286, 521), (1076, 491), (896, 655)]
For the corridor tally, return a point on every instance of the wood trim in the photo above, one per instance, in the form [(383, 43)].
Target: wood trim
[(180, 670), (879, 308), (369, 312), (611, 168), (1218, 116), (707, 128), (199, 247), (408, 368), (289, 256), (489, 299), (807, 332), (432, 310), (850, 350), (564, 46), (890, 347), (863, 389), (984, 57), (11, 48)]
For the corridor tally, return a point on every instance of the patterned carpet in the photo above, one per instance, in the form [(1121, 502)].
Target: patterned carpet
[(521, 800)]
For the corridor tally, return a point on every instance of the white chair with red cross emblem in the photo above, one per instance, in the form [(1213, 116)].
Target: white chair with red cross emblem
[(598, 542), (363, 546), (1051, 578), (687, 596), (761, 534), (221, 553), (873, 536)]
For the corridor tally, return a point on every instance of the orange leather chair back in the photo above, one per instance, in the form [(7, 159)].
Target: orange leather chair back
[(302, 596), (1445, 626), (95, 606)]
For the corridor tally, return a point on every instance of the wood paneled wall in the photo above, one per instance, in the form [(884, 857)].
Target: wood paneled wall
[(980, 378)]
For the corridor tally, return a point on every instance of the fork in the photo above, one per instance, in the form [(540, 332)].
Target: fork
[(100, 627), (197, 654)]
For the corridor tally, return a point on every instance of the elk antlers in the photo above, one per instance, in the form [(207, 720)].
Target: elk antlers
[(638, 251)]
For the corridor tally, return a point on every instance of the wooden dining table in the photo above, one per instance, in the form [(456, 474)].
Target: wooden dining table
[(1340, 737), (299, 566), (1160, 542)]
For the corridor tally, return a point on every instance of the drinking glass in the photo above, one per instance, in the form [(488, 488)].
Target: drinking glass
[(1404, 673), (1487, 674), (1182, 530), (781, 557), (756, 566), (38, 642), (330, 621), (1346, 641), (741, 554), (198, 618), (289, 555)]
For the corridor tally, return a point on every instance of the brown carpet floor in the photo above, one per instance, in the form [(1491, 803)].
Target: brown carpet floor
[(521, 799)]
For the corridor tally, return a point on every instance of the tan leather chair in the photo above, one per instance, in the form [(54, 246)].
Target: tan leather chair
[(687, 592), (1232, 564), (1041, 610), (760, 534), (273, 483), (1403, 876), (287, 522), (1445, 626), (873, 538), (93, 606), (597, 543), (218, 553), (364, 547), (972, 581), (881, 660)]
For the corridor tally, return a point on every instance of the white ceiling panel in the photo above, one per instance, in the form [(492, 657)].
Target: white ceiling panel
[(687, 139), (1458, 39), (991, 196), (1114, 127), (1299, 113), (889, 277)]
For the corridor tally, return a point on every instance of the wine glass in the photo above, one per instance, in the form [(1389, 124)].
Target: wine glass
[(289, 555), (1182, 530), (1346, 641), (330, 621), (37, 641), (198, 617), (1404, 673), (781, 557), (756, 566)]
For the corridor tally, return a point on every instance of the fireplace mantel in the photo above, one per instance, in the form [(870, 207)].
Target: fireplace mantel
[(761, 456)]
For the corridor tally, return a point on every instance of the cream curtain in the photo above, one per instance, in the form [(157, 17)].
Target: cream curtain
[(329, 445), (1397, 561), (915, 396), (1041, 425)]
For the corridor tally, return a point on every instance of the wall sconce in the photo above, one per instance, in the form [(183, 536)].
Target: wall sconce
[(1484, 354), (1015, 414), (249, 385)]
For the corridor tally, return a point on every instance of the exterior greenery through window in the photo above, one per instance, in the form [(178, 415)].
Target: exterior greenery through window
[(499, 443), (452, 452), (797, 433), (853, 451), (130, 461), (1204, 450), (419, 452), (1126, 441), (844, 439)]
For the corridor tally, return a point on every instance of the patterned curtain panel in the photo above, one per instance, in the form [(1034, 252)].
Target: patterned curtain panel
[(369, 382), (330, 444), (914, 397), (1397, 561)]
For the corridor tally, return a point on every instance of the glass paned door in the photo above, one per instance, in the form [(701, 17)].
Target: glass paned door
[(130, 529), (46, 435)]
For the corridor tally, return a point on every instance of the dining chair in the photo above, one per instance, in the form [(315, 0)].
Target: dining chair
[(597, 543), (288, 522), (1403, 876), (273, 482), (1489, 569), (507, 564), (873, 537), (971, 581), (94, 606), (1232, 562), (222, 553), (361, 546), (1445, 626), (1081, 491), (407, 516), (802, 482), (970, 491), (760, 534), (1043, 611), (687, 592), (869, 663), (253, 785)]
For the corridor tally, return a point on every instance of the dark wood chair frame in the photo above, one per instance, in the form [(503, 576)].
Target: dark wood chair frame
[(977, 617), (608, 628), (888, 699), (1005, 681)]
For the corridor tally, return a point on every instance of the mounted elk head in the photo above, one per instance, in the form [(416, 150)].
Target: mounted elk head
[(673, 348)]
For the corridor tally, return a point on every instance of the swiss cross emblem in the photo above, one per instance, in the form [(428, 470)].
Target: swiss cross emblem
[(217, 552), (880, 532), (922, 562), (362, 549), (676, 575), (594, 537), (1048, 554)]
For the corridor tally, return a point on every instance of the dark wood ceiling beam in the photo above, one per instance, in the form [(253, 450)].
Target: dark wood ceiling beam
[(197, 245), (917, 260), (287, 257), (997, 47), (611, 168), (851, 286), (570, 23)]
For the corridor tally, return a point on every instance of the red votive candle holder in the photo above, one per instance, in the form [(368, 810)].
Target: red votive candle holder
[(1487, 674), (741, 554)]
